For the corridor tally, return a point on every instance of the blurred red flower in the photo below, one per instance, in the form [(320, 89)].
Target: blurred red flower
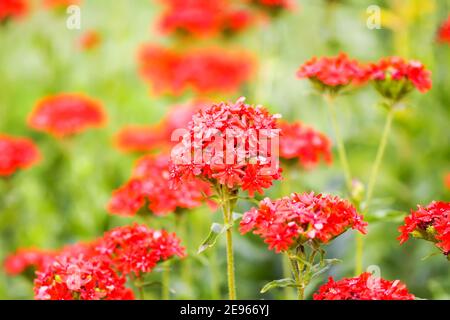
[(301, 142), (60, 3), (23, 259), (245, 165), (13, 9), (363, 287), (447, 180), (137, 249), (89, 40), (444, 31), (150, 184), (16, 153), (204, 71), (395, 77), (78, 278), (430, 223), (333, 73), (203, 18), (294, 220), (66, 114)]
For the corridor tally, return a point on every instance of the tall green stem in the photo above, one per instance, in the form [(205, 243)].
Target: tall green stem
[(296, 272), (379, 157), (339, 141)]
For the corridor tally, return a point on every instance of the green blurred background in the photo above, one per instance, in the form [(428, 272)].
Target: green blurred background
[(62, 200)]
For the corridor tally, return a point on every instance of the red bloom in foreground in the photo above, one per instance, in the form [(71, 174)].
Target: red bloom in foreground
[(394, 77), (66, 114), (150, 184), (77, 278), (364, 287), (228, 144), (444, 32), (201, 70), (333, 73), (293, 220), (16, 153), (301, 142), (430, 223), (13, 9), (89, 40), (137, 249), (203, 18)]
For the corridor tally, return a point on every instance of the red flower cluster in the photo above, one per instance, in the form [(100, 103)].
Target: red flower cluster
[(394, 77), (203, 18), (293, 220), (333, 73), (201, 70), (364, 287), (24, 259), (149, 184), (13, 9), (444, 32), (431, 223), (78, 278), (66, 114), (89, 40), (137, 249), (301, 142), (228, 144), (16, 153)]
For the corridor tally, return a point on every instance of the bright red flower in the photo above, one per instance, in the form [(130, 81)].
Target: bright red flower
[(301, 142), (66, 114), (333, 73), (16, 153), (137, 249), (204, 71), (363, 287), (89, 40), (203, 18), (24, 259), (430, 223), (444, 31), (228, 144), (78, 278), (293, 220), (13, 9), (150, 184), (394, 77)]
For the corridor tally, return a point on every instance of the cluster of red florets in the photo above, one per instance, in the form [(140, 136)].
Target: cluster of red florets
[(206, 151), (201, 70), (16, 153), (430, 223), (150, 184), (301, 142), (66, 114), (204, 18), (444, 31), (96, 270), (13, 9), (296, 219), (363, 287)]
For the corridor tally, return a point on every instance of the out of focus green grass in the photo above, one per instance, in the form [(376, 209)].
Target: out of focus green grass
[(62, 200)]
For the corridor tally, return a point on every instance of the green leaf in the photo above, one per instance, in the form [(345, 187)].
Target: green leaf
[(321, 268), (301, 260), (216, 230), (281, 283), (384, 215)]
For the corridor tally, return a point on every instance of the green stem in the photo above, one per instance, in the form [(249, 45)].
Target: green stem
[(339, 141), (296, 273), (379, 157), (228, 220), (165, 292)]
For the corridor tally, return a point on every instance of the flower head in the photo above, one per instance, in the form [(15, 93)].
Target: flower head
[(394, 77), (150, 185), (443, 35), (13, 9), (430, 223), (24, 259), (294, 220), (228, 144), (305, 144), (16, 153), (78, 278), (201, 70), (363, 287), (66, 114), (89, 40), (333, 73), (137, 249)]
